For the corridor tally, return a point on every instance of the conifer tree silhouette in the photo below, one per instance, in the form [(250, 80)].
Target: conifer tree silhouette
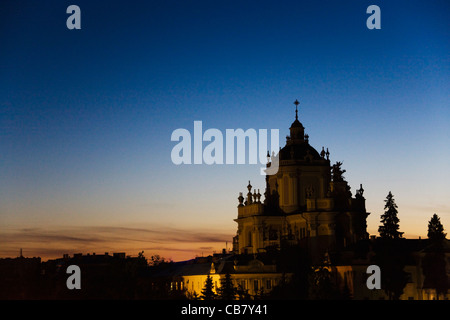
[(390, 252), (434, 262), (436, 230), (207, 291), (389, 220), (227, 290)]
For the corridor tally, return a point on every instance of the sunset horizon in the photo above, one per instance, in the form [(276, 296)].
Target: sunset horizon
[(243, 139), (171, 242), (170, 252)]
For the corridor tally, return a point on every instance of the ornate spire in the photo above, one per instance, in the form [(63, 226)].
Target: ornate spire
[(296, 111), (297, 131)]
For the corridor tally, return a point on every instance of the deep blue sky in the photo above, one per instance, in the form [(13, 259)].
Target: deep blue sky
[(86, 115)]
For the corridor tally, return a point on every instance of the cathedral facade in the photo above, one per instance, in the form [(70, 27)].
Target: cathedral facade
[(307, 202)]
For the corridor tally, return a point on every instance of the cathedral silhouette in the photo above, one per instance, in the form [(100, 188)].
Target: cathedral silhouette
[(306, 216), (306, 239), (307, 201)]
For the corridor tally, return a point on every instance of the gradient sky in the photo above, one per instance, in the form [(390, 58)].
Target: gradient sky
[(86, 116)]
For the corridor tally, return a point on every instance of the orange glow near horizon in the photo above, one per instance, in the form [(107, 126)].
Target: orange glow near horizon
[(175, 244)]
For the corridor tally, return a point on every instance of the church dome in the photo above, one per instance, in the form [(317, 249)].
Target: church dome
[(297, 145), (299, 151), (296, 124)]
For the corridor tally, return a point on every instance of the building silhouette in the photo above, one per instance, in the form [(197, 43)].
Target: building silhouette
[(308, 223), (307, 200)]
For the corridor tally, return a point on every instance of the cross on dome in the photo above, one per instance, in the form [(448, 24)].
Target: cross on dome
[(296, 111)]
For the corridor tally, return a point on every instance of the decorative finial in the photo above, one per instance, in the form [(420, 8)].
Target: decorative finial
[(360, 192), (249, 194), (241, 200), (296, 111)]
